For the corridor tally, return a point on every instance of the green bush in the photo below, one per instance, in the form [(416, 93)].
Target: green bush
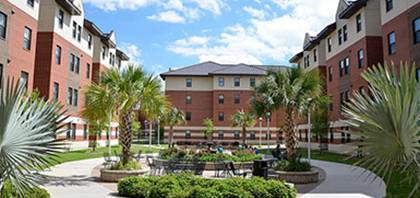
[(132, 165), (293, 166), (204, 156), (8, 191), (186, 185)]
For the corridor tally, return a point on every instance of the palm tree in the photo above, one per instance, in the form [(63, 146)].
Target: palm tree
[(388, 118), (173, 117), (290, 90), (154, 109), (27, 136), (243, 120), (133, 89), (209, 129), (99, 111)]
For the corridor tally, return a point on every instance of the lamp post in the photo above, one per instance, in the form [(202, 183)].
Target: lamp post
[(260, 122), (309, 130), (268, 129), (158, 131)]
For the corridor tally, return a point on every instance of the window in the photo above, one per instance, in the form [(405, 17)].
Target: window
[(74, 63), (221, 116), (75, 97), (188, 100), (85, 131), (188, 116), (341, 67), (221, 135), (416, 30), (391, 43), (389, 4), (329, 43), (237, 99), (69, 96), (24, 77), (58, 55), (268, 136), (60, 18), (344, 33), (221, 82), (189, 82), (73, 131), (89, 40), (237, 135), (187, 134), (103, 52), (56, 90), (360, 57), (315, 55), (221, 99), (1, 75), (344, 97), (252, 82), (346, 65), (74, 29), (330, 73), (237, 81), (3, 25), (358, 23), (252, 135), (417, 73), (27, 37), (79, 33), (340, 37), (87, 70), (30, 2)]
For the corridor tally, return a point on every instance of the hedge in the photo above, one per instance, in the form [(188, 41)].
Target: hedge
[(8, 191), (185, 185)]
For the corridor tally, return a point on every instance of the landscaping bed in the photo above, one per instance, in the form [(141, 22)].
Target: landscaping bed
[(189, 186)]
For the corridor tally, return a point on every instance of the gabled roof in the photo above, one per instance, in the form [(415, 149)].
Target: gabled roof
[(69, 6), (296, 57), (352, 8), (211, 68), (122, 55), (107, 39), (92, 28), (321, 35)]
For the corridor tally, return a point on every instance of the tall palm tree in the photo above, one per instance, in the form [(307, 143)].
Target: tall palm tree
[(290, 90), (173, 117), (154, 109), (99, 111), (28, 131), (243, 120), (133, 89), (388, 118), (209, 129)]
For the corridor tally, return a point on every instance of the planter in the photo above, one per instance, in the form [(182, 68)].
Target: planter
[(116, 175), (299, 177)]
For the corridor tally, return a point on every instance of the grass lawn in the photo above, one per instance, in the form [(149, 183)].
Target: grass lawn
[(396, 188), (89, 154)]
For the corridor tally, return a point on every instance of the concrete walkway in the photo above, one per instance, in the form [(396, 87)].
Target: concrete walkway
[(74, 179), (346, 181)]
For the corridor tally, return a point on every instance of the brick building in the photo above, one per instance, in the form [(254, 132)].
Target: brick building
[(52, 48), (217, 91), (365, 33)]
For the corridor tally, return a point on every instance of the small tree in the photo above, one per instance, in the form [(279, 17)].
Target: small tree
[(243, 120), (209, 130), (320, 122), (173, 117)]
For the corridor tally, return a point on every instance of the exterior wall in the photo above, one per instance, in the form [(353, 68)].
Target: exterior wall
[(5, 9), (20, 59), (400, 21), (98, 50), (198, 84)]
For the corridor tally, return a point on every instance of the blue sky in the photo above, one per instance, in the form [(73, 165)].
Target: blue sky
[(160, 34)]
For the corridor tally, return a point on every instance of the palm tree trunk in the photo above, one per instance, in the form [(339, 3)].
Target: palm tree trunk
[(171, 135), (126, 137), (290, 135), (244, 135)]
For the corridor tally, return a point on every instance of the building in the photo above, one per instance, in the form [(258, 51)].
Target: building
[(18, 29), (365, 33), (52, 48), (217, 91)]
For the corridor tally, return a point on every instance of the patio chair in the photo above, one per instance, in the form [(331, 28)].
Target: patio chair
[(107, 160), (220, 167), (151, 164), (236, 172), (138, 156)]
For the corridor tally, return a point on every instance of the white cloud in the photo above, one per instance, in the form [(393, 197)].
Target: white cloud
[(168, 16), (214, 6), (276, 38), (260, 14), (133, 52), (112, 5)]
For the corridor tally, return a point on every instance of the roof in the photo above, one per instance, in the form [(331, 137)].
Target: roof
[(211, 68), (92, 27), (69, 7), (106, 39), (296, 57), (122, 55), (352, 8), (321, 35)]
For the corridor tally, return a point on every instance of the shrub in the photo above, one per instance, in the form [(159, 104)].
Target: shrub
[(205, 156), (8, 191), (189, 186), (132, 165), (293, 166)]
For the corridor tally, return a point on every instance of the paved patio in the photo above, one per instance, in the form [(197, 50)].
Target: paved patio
[(77, 179)]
